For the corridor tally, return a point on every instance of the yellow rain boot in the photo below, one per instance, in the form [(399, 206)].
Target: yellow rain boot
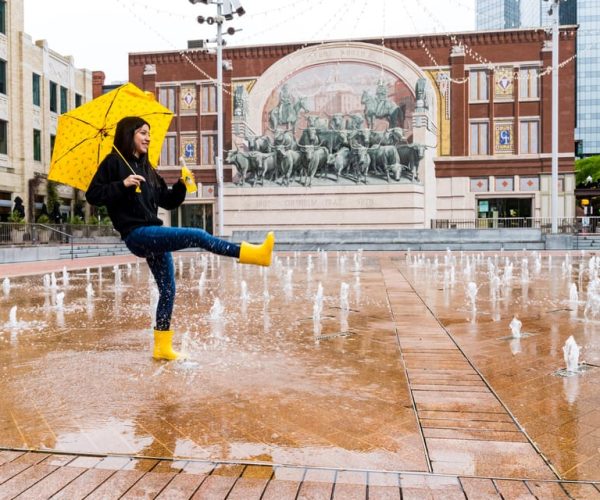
[(163, 348), (258, 254)]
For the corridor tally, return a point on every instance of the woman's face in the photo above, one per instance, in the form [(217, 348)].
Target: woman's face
[(141, 140)]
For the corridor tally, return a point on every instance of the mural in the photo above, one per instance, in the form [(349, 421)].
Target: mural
[(336, 122)]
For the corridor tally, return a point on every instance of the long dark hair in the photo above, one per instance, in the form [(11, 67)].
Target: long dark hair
[(124, 144), (124, 133)]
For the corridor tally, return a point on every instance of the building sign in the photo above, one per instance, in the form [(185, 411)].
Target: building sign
[(188, 98), (188, 149), (504, 140), (503, 83)]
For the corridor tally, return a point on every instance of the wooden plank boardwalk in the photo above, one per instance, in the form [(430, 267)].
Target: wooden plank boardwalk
[(39, 475)]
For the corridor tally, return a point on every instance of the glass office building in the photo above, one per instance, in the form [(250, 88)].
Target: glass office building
[(493, 14), (497, 14)]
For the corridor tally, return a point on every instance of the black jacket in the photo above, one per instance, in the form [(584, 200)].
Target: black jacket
[(126, 208)]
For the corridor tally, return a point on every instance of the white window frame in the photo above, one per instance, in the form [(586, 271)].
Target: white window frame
[(479, 85), (483, 132), (167, 96), (525, 133), (208, 99), (529, 83), (168, 153), (203, 148)]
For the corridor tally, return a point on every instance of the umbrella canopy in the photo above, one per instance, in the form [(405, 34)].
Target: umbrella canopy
[(85, 135)]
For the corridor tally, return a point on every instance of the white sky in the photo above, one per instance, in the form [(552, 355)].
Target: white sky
[(99, 34)]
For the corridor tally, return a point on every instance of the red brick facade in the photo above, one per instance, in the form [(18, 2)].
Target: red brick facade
[(511, 49)]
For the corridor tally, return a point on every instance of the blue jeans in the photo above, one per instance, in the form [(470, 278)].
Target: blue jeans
[(155, 244)]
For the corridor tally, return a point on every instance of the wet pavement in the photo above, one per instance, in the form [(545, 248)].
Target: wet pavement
[(403, 377)]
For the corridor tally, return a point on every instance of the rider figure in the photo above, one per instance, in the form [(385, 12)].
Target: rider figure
[(380, 99), (286, 104)]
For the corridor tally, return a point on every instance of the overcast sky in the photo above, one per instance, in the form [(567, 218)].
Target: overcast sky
[(100, 34)]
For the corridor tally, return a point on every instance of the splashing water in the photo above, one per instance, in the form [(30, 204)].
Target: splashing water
[(46, 281), (60, 298), (117, 271), (244, 291), (472, 293), (6, 286), (573, 294), (87, 274), (53, 283), (65, 276), (515, 328), (318, 303), (216, 311), (12, 317), (571, 355), (201, 282), (89, 290), (344, 304)]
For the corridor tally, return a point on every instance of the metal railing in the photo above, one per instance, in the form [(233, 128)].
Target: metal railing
[(16, 233), (566, 225)]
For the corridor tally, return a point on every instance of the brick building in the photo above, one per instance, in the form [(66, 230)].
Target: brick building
[(475, 106)]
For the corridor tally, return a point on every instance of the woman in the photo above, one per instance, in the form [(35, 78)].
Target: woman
[(132, 191)]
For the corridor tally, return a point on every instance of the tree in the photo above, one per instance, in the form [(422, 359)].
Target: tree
[(585, 168)]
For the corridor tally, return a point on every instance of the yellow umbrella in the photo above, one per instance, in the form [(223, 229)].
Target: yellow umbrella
[(85, 135)]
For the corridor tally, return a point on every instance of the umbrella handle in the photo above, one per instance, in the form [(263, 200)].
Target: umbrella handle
[(138, 189)]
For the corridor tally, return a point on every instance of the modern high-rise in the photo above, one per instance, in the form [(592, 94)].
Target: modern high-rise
[(498, 14), (493, 14)]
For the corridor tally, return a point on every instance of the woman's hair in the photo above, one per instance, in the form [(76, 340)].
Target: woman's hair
[(124, 143), (124, 135)]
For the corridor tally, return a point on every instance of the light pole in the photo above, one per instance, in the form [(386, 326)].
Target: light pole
[(225, 10), (554, 11)]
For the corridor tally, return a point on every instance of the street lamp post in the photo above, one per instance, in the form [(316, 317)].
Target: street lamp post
[(554, 11), (225, 10)]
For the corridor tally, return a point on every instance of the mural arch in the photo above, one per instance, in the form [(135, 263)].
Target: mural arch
[(398, 72)]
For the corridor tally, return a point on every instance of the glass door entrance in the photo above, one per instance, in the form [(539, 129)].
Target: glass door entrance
[(500, 209), (194, 215)]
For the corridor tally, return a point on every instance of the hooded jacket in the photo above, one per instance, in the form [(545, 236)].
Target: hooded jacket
[(126, 208)]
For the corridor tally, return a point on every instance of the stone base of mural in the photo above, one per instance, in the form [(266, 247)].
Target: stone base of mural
[(381, 206)]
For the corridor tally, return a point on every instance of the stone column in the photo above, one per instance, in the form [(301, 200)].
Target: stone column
[(425, 133)]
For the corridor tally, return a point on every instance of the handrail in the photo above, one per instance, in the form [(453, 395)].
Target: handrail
[(70, 236)]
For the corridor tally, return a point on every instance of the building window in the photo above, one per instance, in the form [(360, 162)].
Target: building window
[(3, 17), (166, 96), (35, 88), (37, 145), (478, 85), (528, 83), (168, 154), (528, 137), (479, 138), (209, 150), (78, 100), (2, 77), (209, 99), (52, 141), (53, 97), (64, 101), (3, 137)]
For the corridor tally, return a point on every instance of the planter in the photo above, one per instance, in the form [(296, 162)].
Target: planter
[(17, 235), (43, 236)]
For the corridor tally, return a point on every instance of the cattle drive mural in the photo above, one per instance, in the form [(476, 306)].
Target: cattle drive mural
[(318, 130)]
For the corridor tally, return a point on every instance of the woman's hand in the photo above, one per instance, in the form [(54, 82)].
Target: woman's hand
[(133, 180)]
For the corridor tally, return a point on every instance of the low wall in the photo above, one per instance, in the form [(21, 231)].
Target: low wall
[(414, 239)]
